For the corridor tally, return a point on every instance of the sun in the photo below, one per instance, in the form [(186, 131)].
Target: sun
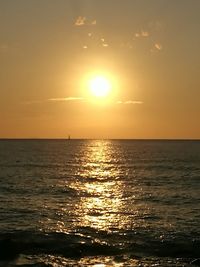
[(100, 86)]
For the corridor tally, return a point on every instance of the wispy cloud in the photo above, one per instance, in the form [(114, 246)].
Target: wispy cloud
[(66, 99), (80, 21), (94, 22), (128, 102), (142, 33), (104, 44), (158, 46), (145, 34), (83, 21)]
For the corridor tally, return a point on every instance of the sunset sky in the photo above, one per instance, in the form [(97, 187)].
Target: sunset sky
[(147, 50)]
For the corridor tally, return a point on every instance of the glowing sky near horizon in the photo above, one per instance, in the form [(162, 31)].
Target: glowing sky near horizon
[(149, 48)]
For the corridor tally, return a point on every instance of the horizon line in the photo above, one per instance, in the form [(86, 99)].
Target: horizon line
[(71, 139)]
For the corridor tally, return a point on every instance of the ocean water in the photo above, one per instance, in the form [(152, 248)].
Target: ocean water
[(99, 203)]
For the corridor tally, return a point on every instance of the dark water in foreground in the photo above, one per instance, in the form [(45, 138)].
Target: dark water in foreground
[(99, 202)]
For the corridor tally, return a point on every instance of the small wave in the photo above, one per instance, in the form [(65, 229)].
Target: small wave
[(72, 246), (77, 246)]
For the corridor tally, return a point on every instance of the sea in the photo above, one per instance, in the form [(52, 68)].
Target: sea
[(100, 203)]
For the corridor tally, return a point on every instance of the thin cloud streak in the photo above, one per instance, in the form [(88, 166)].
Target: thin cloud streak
[(66, 99), (128, 102), (58, 99), (79, 99)]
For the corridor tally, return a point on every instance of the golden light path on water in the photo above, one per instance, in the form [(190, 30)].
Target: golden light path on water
[(95, 192), (101, 210)]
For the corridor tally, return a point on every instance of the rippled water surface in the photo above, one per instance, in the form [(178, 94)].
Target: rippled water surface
[(100, 202)]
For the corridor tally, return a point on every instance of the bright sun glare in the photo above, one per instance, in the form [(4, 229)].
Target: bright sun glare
[(100, 86)]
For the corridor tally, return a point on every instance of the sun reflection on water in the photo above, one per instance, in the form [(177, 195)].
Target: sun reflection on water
[(101, 207), (93, 195)]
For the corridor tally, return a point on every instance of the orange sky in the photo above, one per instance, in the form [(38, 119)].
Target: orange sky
[(149, 50)]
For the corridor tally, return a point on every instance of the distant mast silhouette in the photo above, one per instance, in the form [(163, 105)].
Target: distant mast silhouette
[(69, 137)]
